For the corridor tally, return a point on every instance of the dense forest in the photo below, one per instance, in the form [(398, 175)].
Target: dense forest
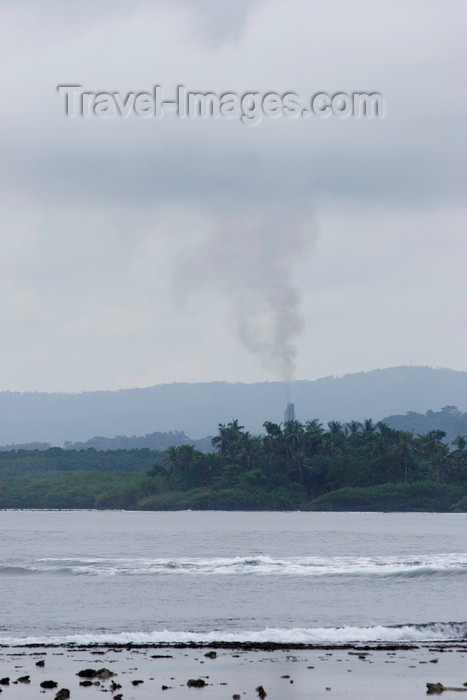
[(58, 478), (353, 466)]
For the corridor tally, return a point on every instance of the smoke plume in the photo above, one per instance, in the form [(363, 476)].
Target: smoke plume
[(248, 257)]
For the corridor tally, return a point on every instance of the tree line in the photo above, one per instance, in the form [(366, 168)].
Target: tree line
[(316, 458), (290, 466)]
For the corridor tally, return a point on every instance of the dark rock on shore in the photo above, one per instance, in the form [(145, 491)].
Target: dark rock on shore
[(437, 688), (196, 683), (102, 673), (161, 656), (63, 694), (49, 684)]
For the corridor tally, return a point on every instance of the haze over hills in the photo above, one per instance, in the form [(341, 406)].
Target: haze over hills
[(196, 409)]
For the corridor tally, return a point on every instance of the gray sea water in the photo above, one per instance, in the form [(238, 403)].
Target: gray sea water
[(119, 576)]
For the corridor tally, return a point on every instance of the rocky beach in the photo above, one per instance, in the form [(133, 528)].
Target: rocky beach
[(143, 672)]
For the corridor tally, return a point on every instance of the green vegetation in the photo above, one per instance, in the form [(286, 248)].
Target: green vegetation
[(73, 490), (57, 478), (56, 460), (357, 466), (417, 496)]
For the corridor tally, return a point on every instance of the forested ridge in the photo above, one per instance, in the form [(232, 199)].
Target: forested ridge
[(197, 408), (449, 419), (353, 466)]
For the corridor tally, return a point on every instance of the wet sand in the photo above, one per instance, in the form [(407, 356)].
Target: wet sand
[(144, 672)]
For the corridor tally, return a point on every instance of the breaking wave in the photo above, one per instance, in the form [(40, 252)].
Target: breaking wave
[(421, 566), (433, 631)]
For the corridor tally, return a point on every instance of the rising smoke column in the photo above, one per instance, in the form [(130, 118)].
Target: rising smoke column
[(248, 256)]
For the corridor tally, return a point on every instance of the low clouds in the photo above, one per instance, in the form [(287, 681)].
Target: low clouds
[(408, 53), (103, 216)]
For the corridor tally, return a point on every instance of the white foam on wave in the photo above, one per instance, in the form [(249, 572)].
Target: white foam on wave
[(439, 631), (258, 565)]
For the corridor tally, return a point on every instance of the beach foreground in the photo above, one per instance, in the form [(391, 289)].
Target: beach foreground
[(143, 672)]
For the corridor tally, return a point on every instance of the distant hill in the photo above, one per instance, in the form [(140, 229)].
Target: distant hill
[(196, 409), (153, 441), (449, 419), (39, 446)]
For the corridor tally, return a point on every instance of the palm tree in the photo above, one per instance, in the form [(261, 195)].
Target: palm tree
[(220, 442), (313, 437), (460, 442), (294, 432), (435, 451), (172, 457), (314, 427), (354, 428), (387, 433), (368, 426), (250, 448), (370, 437), (335, 427), (405, 447), (228, 439), (459, 457), (336, 436), (273, 431), (187, 454)]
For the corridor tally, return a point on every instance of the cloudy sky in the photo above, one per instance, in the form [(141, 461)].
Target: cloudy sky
[(140, 251)]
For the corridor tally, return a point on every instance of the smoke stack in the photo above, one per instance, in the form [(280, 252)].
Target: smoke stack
[(289, 413)]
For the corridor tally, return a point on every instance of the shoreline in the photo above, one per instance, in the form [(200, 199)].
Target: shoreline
[(440, 644), (228, 669)]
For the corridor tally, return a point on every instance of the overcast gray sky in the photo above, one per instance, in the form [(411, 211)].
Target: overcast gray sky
[(141, 251)]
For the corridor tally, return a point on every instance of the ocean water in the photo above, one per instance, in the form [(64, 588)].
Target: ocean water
[(121, 576)]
